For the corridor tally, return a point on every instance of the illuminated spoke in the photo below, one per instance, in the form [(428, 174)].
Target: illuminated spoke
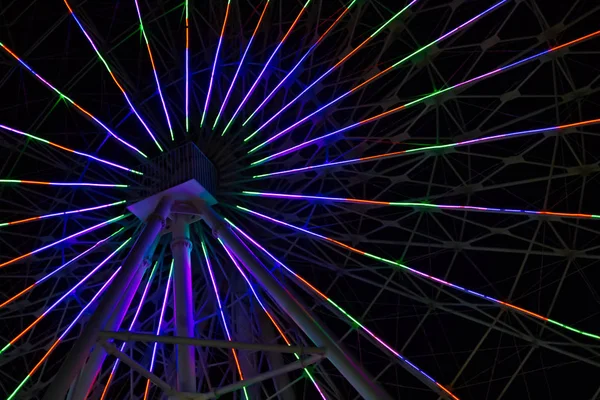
[(65, 97), (237, 71), (428, 96), (72, 184), (313, 47), (214, 66), (38, 139), (378, 75), (222, 313), (64, 296), (114, 78), (61, 214), (71, 261), (330, 70), (158, 87), (260, 75), (418, 273), (351, 320), (83, 232), (422, 205), (187, 66), (131, 326), (63, 335), (159, 328), (283, 335), (433, 147)]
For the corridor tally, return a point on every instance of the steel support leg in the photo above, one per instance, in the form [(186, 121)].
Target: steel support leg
[(181, 247), (315, 329), (109, 300), (94, 363)]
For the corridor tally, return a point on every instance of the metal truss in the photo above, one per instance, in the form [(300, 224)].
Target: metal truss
[(424, 191)]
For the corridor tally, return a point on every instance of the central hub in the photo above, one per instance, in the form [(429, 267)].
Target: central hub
[(185, 174)]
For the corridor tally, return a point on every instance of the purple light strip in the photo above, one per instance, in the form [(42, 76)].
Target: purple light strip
[(423, 98), (256, 82), (90, 229), (113, 76), (423, 275), (429, 148), (352, 320), (214, 66), (381, 73)]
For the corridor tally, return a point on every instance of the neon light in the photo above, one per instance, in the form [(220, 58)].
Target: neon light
[(113, 185), (223, 320), (160, 94), (67, 149), (378, 75), (253, 87), (113, 77), (22, 221), (212, 74), (422, 205), (110, 221), (64, 296), (131, 325), (63, 96), (36, 283), (353, 321), (240, 65), (62, 336), (287, 341), (433, 147), (330, 70), (414, 271), (162, 314), (187, 66), (314, 46), (430, 95)]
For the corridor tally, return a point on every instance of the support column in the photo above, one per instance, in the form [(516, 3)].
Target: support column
[(109, 300), (315, 329), (181, 247), (94, 363)]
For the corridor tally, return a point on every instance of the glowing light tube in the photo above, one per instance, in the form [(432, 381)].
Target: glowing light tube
[(433, 147), (63, 96), (351, 320), (60, 214), (71, 261), (62, 336), (421, 274), (38, 139), (431, 95), (187, 66), (160, 94), (73, 184), (113, 76), (381, 73), (233, 81), (214, 66), (223, 320), (131, 325), (64, 296), (258, 78), (283, 335), (422, 205), (162, 315), (330, 70), (314, 46), (90, 229)]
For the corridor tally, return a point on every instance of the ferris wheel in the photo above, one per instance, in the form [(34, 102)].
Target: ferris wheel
[(300, 199)]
